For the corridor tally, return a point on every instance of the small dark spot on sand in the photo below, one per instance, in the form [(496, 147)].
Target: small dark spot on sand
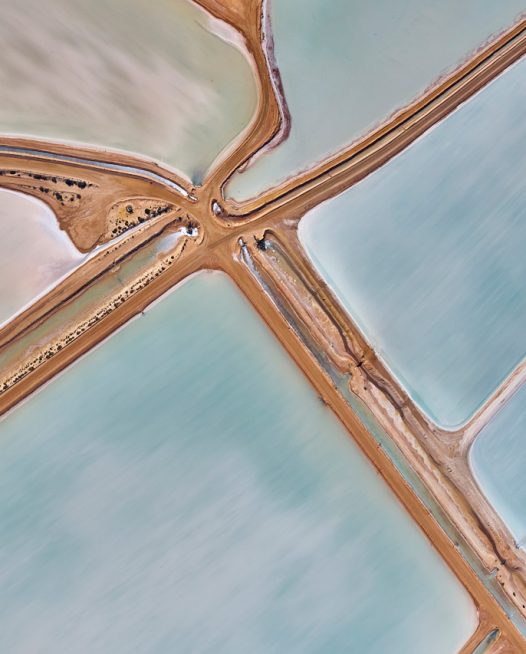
[(261, 244)]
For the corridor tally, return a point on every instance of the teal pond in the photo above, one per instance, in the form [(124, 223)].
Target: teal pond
[(182, 488), (347, 69), (498, 461), (427, 253)]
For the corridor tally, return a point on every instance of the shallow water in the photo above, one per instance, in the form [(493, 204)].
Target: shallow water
[(348, 66), (427, 253), (167, 83), (498, 461), (34, 252), (182, 489)]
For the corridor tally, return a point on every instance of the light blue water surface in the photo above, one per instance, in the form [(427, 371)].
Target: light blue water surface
[(498, 460), (183, 489), (348, 65), (428, 253)]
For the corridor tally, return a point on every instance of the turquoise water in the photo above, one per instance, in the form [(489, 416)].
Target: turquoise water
[(167, 81), (34, 252), (498, 461), (427, 253), (348, 65), (183, 489)]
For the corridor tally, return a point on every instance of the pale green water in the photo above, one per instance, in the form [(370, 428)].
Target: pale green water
[(34, 253), (427, 253), (348, 65), (183, 489), (163, 80), (498, 460)]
